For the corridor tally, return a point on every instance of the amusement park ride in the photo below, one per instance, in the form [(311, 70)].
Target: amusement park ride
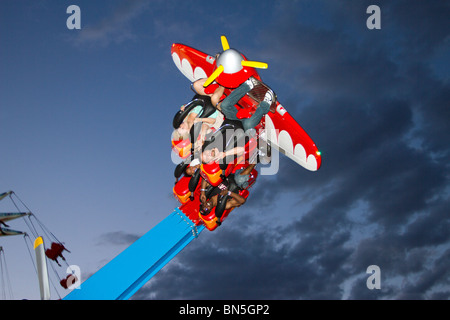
[(130, 270)]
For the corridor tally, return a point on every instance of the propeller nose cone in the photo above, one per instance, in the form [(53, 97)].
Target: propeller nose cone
[(231, 60)]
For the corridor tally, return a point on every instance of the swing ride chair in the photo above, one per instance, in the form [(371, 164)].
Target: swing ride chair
[(38, 230)]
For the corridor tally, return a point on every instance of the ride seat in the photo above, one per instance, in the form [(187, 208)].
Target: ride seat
[(210, 219), (182, 148), (212, 173), (181, 190)]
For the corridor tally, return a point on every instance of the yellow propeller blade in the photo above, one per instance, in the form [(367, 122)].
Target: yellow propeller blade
[(254, 64), (225, 44), (214, 75)]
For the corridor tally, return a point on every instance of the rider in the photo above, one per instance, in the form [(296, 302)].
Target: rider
[(228, 191), (215, 91), (234, 200), (201, 111), (193, 166), (1, 230), (228, 104), (212, 121)]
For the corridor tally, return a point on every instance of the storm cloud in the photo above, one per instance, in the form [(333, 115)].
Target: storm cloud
[(376, 102)]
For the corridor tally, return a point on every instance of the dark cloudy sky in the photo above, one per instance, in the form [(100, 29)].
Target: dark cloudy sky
[(84, 115)]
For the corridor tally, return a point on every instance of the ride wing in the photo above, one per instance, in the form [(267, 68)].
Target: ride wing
[(192, 63), (286, 135)]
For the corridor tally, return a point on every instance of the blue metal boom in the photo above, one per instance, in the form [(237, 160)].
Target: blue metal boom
[(130, 270)]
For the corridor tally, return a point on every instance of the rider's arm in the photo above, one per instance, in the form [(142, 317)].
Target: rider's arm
[(209, 121), (204, 184), (236, 201), (235, 151), (201, 138), (191, 117), (231, 152)]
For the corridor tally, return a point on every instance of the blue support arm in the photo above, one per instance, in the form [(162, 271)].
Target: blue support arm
[(136, 265)]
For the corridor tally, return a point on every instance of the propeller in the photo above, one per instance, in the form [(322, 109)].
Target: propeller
[(231, 61), (254, 64), (213, 76), (225, 44)]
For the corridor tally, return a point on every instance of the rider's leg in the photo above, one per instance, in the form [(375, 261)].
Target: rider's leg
[(261, 110), (227, 106)]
